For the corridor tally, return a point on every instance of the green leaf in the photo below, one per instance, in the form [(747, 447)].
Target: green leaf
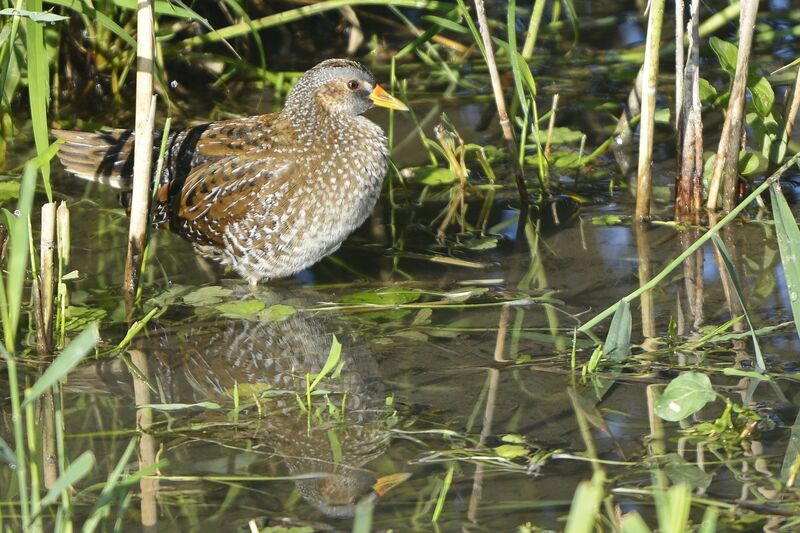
[(563, 135), (276, 313), (681, 471), (752, 163), (383, 297), (69, 357), (618, 342), (789, 245), (726, 53), (432, 176), (7, 454), (726, 261), (178, 406), (241, 309), (511, 451), (707, 91), (446, 23), (334, 355), (745, 374), (763, 95), (9, 190), (684, 396), (792, 456), (36, 16), (633, 522), (207, 296), (74, 473)]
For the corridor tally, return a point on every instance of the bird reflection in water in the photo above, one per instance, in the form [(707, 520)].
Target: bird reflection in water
[(325, 448)]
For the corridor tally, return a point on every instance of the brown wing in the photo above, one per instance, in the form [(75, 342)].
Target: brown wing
[(220, 192)]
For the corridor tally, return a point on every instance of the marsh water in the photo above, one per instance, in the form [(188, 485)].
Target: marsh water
[(455, 392)]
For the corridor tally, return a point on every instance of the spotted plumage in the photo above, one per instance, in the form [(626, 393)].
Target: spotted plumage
[(267, 195)]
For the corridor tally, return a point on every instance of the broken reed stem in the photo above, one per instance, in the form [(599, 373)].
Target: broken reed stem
[(689, 180), (143, 147), (500, 102), (550, 126), (726, 165), (644, 178), (45, 283), (794, 105), (696, 245)]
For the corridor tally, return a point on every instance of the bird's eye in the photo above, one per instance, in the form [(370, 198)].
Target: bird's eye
[(352, 85)]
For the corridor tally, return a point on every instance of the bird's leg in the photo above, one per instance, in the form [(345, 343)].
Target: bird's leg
[(252, 281)]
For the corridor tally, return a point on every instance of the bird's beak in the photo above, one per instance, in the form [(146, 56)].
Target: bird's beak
[(383, 99), (386, 483)]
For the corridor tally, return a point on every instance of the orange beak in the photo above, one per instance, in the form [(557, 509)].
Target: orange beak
[(383, 99)]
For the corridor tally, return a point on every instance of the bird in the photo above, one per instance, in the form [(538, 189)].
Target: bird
[(267, 195)]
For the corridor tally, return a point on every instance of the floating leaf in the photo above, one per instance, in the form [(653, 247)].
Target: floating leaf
[(276, 313), (207, 296), (563, 135), (240, 309), (383, 297), (684, 396), (511, 451)]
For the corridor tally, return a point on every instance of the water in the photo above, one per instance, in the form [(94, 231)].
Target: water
[(462, 367)]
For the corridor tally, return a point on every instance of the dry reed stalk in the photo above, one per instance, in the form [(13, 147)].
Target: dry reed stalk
[(644, 177), (143, 148), (502, 113), (46, 281), (550, 125), (727, 162), (689, 181), (794, 105)]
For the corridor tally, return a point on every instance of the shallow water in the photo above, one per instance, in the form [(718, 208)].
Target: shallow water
[(461, 369)]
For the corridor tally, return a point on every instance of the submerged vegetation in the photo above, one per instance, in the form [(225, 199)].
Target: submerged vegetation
[(510, 342)]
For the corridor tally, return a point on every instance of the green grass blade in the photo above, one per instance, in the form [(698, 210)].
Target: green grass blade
[(66, 361), (103, 20), (38, 88), (633, 523), (726, 260), (102, 506), (17, 223), (789, 245), (709, 523), (76, 471), (792, 456), (363, 519), (585, 507), (448, 479)]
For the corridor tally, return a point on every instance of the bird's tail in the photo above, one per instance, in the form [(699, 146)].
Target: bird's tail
[(104, 156)]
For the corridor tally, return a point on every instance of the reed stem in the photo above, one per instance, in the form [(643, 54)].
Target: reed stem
[(143, 148), (644, 178)]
